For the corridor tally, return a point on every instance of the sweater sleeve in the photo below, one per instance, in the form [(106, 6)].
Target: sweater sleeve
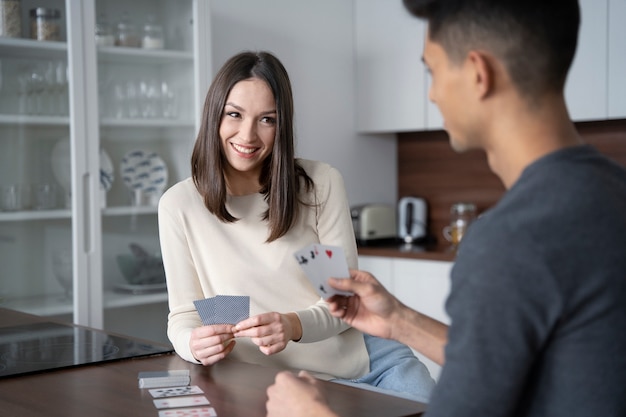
[(334, 226), (182, 317)]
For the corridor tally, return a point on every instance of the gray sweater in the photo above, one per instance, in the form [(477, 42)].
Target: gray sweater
[(538, 299)]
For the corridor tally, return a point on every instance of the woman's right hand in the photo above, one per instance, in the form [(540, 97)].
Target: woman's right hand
[(210, 344)]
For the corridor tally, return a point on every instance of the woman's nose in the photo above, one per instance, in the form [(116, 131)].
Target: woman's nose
[(247, 132)]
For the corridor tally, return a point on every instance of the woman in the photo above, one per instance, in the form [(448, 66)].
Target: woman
[(232, 228)]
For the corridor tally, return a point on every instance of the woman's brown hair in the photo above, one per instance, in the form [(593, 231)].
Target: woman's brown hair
[(281, 175)]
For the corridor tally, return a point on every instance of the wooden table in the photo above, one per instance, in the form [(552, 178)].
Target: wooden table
[(110, 389)]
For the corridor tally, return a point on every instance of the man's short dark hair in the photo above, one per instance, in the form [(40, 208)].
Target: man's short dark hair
[(535, 39)]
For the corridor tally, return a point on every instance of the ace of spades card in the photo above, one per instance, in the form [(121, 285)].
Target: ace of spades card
[(321, 262)]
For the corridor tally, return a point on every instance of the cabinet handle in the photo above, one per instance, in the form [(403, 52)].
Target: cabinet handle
[(87, 213)]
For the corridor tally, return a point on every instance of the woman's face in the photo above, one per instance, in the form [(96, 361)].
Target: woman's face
[(248, 127)]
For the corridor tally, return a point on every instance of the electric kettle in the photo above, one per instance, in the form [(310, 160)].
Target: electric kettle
[(412, 215)]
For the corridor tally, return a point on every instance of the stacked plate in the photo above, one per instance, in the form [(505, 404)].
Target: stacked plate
[(145, 174)]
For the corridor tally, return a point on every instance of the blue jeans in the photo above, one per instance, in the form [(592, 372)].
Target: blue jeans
[(395, 370)]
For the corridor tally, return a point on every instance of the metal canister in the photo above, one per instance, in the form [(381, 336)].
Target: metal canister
[(10, 18), (45, 24)]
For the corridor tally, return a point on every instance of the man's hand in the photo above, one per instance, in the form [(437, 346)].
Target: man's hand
[(296, 396), (371, 309)]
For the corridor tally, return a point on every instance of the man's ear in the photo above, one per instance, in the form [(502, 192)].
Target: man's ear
[(482, 73)]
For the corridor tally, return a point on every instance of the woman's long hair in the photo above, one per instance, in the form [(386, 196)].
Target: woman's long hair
[(281, 175)]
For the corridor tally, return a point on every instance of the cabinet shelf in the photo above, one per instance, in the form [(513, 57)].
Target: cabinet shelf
[(57, 304), (124, 55), (29, 48), (27, 215), (110, 122), (12, 216), (24, 119), (129, 210)]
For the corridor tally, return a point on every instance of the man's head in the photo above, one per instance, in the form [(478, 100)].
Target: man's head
[(534, 39)]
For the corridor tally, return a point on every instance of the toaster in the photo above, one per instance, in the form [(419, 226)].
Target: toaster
[(374, 222)]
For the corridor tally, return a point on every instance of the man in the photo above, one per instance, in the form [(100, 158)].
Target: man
[(538, 298)]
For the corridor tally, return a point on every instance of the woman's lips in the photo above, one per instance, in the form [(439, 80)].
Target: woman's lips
[(245, 151)]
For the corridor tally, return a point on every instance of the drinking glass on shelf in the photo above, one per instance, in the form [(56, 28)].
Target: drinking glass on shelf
[(11, 197), (169, 109), (132, 100), (45, 196), (150, 97)]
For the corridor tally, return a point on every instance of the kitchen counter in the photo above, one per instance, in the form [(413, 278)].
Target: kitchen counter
[(403, 250)]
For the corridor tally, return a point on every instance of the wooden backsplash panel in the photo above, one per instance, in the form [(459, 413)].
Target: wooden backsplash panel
[(429, 168)]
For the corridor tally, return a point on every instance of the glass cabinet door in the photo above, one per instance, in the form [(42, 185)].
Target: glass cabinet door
[(93, 128), (147, 111), (35, 170)]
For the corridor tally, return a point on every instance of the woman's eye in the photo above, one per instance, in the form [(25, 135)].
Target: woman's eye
[(233, 114), (268, 120)]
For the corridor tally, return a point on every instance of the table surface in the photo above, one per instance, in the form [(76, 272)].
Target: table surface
[(110, 389)]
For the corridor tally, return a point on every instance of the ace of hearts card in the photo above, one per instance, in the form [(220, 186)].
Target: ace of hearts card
[(321, 262)]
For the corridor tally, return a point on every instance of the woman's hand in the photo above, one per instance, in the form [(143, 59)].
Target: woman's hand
[(270, 331), (211, 344)]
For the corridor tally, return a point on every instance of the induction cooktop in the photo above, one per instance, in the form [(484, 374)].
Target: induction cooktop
[(39, 347)]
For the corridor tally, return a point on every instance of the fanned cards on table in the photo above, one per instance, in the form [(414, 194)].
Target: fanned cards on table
[(157, 379)]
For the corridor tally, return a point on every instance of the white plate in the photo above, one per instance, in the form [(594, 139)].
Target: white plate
[(62, 166), (106, 171), (145, 171)]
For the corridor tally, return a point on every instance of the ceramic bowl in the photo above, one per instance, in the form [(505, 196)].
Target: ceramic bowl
[(141, 271)]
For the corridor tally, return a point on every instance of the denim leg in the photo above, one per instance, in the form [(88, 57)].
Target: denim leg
[(394, 367)]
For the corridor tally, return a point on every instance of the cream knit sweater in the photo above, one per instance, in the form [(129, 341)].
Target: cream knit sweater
[(204, 257)]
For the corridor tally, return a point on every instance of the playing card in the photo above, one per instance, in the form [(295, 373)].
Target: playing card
[(175, 391), (206, 310), (321, 262), (223, 309), (231, 309), (186, 401), (189, 412)]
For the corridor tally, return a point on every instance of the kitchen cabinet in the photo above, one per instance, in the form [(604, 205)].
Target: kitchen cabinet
[(71, 111), (392, 81), (617, 59), (596, 86), (423, 285), (586, 87)]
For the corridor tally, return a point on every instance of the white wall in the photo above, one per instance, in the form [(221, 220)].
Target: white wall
[(314, 40)]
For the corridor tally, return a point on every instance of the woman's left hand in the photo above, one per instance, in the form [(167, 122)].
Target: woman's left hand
[(270, 331)]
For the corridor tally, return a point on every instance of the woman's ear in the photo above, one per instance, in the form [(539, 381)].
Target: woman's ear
[(481, 71)]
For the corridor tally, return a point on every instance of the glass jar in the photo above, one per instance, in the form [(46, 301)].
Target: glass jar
[(10, 18), (104, 33), (45, 24), (152, 34), (126, 33), (461, 216)]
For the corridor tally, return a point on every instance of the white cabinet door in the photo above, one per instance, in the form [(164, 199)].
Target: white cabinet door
[(424, 286), (380, 267), (617, 59), (391, 86), (586, 89)]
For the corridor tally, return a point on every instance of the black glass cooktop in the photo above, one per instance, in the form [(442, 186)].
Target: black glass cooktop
[(45, 346)]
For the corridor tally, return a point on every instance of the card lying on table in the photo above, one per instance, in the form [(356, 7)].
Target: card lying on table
[(321, 262), (158, 379), (223, 309)]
